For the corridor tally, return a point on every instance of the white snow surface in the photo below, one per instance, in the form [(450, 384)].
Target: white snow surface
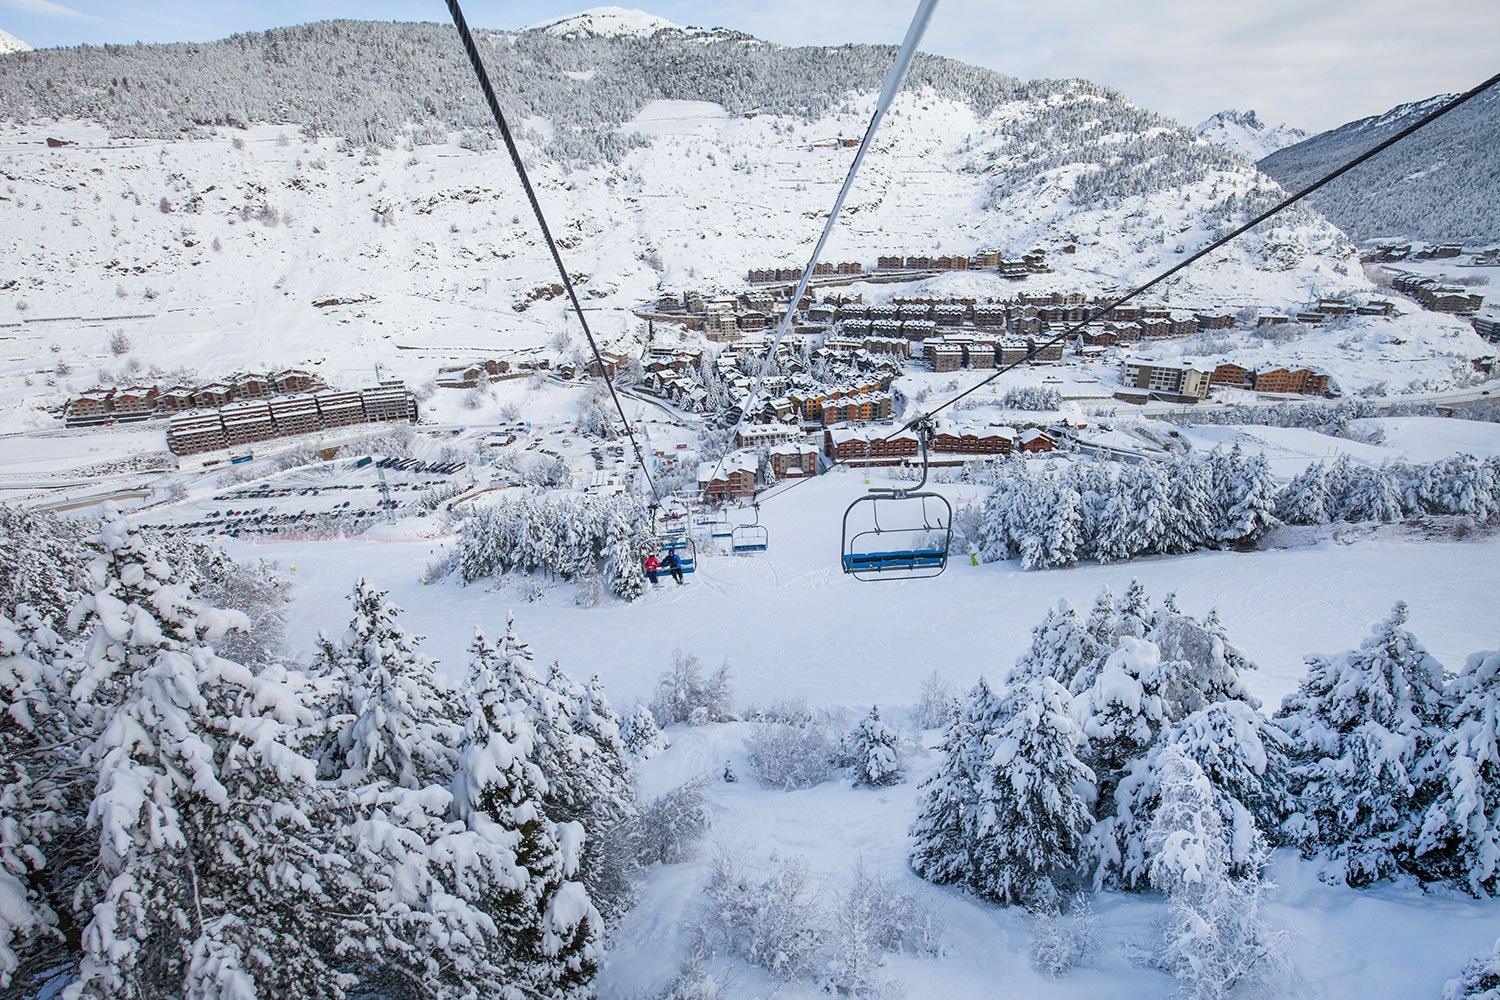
[(791, 625), (1246, 134), (209, 253), (10, 43), (607, 22)]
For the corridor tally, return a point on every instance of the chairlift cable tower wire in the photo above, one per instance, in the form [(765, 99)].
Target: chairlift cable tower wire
[(515, 157), (1103, 310), (893, 80)]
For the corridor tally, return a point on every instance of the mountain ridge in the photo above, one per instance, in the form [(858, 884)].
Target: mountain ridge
[(1441, 186), (1246, 134)]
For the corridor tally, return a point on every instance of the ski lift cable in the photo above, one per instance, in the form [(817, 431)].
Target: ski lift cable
[(893, 81), (1103, 310), (515, 157)]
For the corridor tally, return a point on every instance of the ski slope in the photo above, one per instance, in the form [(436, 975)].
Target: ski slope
[(790, 625)]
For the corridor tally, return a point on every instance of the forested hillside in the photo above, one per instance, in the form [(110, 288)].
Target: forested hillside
[(1443, 186)]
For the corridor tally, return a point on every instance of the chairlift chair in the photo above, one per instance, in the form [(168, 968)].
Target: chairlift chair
[(686, 550), (751, 537), (899, 549)]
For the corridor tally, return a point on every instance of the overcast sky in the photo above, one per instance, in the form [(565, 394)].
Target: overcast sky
[(1314, 64)]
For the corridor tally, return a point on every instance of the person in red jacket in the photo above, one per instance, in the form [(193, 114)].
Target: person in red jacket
[(652, 566)]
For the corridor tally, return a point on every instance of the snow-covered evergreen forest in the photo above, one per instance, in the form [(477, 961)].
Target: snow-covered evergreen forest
[(188, 814), (1441, 188), (1108, 511)]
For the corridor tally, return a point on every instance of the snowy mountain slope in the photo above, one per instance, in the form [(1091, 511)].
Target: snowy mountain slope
[(1440, 185), (223, 239), (609, 22), (1246, 134), (10, 43)]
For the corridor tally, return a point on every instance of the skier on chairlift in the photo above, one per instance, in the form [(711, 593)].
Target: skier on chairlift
[(652, 568), (674, 566)]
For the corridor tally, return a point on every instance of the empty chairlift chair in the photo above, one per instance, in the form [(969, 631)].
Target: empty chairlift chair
[(751, 537), (898, 534)]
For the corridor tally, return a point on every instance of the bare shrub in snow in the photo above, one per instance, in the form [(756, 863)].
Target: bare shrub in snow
[(683, 695), (119, 343), (787, 756), (871, 919), (670, 826), (1059, 943), (935, 703), (771, 920)]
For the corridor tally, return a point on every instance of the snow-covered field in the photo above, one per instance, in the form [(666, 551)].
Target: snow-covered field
[(789, 624)]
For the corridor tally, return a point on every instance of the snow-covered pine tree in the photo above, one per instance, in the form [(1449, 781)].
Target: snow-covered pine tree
[(1212, 939), (1360, 723), (1242, 755), (1189, 517), (606, 783), (943, 830), (1061, 648), (545, 926), (1121, 714), (1304, 500), (1029, 819), (641, 735), (1460, 835), (1480, 979), (1248, 499), (210, 876), (38, 807), (876, 750), (1134, 609), (1461, 484), (1149, 491), (390, 721), (1200, 664), (41, 559), (1373, 495)]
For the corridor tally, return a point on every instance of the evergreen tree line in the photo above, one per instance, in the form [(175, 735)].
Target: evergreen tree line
[(1109, 512), (578, 538), (179, 823), (1126, 752), (382, 85)]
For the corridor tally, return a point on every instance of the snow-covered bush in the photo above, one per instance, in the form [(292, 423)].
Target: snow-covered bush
[(769, 919), (669, 826), (684, 695), (1060, 942), (787, 756), (872, 918), (1480, 979)]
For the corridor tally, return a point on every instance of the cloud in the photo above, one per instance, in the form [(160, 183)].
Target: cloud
[(46, 8)]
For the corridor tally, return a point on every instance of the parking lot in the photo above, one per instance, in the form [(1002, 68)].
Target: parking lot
[(339, 497)]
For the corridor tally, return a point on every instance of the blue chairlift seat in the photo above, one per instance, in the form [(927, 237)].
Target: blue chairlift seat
[(749, 538)]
